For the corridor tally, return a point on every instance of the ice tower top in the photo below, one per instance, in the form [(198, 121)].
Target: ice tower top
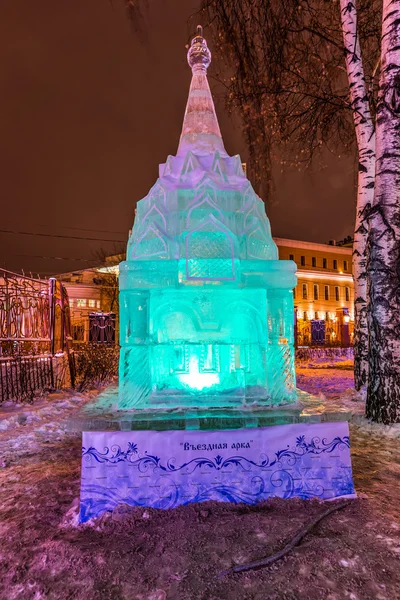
[(199, 56), (200, 130)]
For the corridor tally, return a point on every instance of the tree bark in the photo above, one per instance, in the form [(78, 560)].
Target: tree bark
[(365, 134), (383, 266)]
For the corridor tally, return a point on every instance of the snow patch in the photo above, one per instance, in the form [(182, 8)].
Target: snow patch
[(71, 517)]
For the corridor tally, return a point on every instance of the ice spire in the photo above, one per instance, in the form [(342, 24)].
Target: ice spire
[(200, 130)]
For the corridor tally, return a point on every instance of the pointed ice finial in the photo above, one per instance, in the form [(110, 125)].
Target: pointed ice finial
[(199, 56), (200, 131)]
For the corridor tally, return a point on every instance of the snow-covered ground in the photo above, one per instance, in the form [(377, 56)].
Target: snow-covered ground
[(334, 388), (24, 428), (135, 554)]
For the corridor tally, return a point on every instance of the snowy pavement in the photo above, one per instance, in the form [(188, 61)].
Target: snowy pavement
[(25, 428), (137, 554), (334, 387)]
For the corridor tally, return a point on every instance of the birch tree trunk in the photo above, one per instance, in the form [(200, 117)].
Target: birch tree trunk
[(365, 134), (383, 266)]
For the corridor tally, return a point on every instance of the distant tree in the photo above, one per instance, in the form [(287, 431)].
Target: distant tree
[(383, 265), (361, 102)]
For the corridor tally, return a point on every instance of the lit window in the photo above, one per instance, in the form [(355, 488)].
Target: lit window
[(324, 263), (315, 291), (347, 291), (335, 265), (98, 303), (314, 261), (326, 292), (71, 303), (303, 261), (92, 303), (345, 265), (305, 291), (336, 293), (81, 302)]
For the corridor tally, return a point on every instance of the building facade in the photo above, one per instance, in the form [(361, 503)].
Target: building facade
[(87, 302), (324, 295)]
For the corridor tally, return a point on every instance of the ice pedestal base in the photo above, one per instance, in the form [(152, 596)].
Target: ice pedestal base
[(163, 469)]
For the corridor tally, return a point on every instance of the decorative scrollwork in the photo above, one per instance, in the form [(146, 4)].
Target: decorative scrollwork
[(26, 306), (290, 455)]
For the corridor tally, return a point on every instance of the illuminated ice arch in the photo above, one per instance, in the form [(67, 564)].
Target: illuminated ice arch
[(186, 362), (189, 359), (243, 324), (175, 321)]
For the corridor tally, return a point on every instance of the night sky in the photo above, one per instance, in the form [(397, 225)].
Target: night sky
[(88, 111)]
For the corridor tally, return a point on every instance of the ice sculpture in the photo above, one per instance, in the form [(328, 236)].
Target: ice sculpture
[(206, 306)]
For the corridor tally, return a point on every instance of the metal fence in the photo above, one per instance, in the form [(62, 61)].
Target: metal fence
[(320, 333), (21, 378), (35, 336), (102, 328)]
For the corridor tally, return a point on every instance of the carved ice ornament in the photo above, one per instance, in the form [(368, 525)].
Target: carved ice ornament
[(154, 215), (201, 210), (189, 164), (259, 246), (206, 186), (257, 229), (219, 167), (151, 244), (210, 252), (158, 195)]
